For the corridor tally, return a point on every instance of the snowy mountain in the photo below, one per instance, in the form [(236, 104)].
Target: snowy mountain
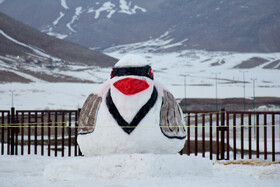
[(28, 55), (216, 25)]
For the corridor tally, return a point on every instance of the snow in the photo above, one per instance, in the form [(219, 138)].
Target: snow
[(126, 8), (57, 35), (168, 68), (50, 29), (55, 22), (107, 6), (131, 60), (164, 41), (39, 52), (78, 11), (131, 170), (111, 8), (64, 4)]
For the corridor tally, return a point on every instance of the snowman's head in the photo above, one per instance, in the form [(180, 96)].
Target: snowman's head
[(131, 75)]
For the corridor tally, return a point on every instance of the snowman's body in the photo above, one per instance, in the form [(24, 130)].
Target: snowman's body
[(148, 121)]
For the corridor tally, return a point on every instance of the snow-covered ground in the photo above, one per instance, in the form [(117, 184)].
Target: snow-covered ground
[(172, 69), (131, 170), (192, 71)]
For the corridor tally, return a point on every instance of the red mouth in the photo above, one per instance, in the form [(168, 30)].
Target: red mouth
[(131, 86)]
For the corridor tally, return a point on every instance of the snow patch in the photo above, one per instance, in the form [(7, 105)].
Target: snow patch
[(37, 51), (110, 8), (153, 45), (132, 60), (64, 4), (126, 8), (50, 29), (26, 76), (128, 167), (132, 170), (169, 68), (57, 35), (107, 7), (55, 22), (74, 18)]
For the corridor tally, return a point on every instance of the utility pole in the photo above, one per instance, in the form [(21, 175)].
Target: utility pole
[(244, 88), (254, 100), (216, 85), (12, 91), (185, 92), (254, 94)]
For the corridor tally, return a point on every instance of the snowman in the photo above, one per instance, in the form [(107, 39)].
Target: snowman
[(131, 113)]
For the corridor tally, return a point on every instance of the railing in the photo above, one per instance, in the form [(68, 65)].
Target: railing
[(45, 132), (220, 135), (233, 134)]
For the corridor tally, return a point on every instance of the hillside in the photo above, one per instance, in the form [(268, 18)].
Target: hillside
[(24, 50), (27, 36), (215, 25)]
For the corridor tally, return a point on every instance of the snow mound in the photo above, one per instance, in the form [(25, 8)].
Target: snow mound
[(136, 166), (132, 60)]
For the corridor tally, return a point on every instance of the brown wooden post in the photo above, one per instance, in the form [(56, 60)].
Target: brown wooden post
[(234, 136), (49, 133), (22, 133), (250, 136), (203, 135), (227, 129), (258, 135), (12, 131), (211, 136), (16, 132), (29, 132), (242, 135), (62, 134), (189, 134), (69, 134), (222, 134), (2, 132), (273, 137), (42, 133), (196, 134), (265, 137), (35, 133), (8, 134), (55, 134), (217, 137), (76, 132)]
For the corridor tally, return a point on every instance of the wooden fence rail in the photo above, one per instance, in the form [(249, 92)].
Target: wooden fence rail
[(221, 135)]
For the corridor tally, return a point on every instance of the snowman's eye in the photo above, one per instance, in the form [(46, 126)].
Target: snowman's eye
[(112, 73), (151, 74)]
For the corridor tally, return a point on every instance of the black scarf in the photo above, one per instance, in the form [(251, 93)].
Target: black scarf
[(129, 127)]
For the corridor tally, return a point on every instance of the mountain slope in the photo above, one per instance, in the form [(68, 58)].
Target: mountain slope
[(18, 39), (242, 26), (28, 55)]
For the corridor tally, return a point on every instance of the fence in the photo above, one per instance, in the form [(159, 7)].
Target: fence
[(217, 135), (233, 134), (47, 131)]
